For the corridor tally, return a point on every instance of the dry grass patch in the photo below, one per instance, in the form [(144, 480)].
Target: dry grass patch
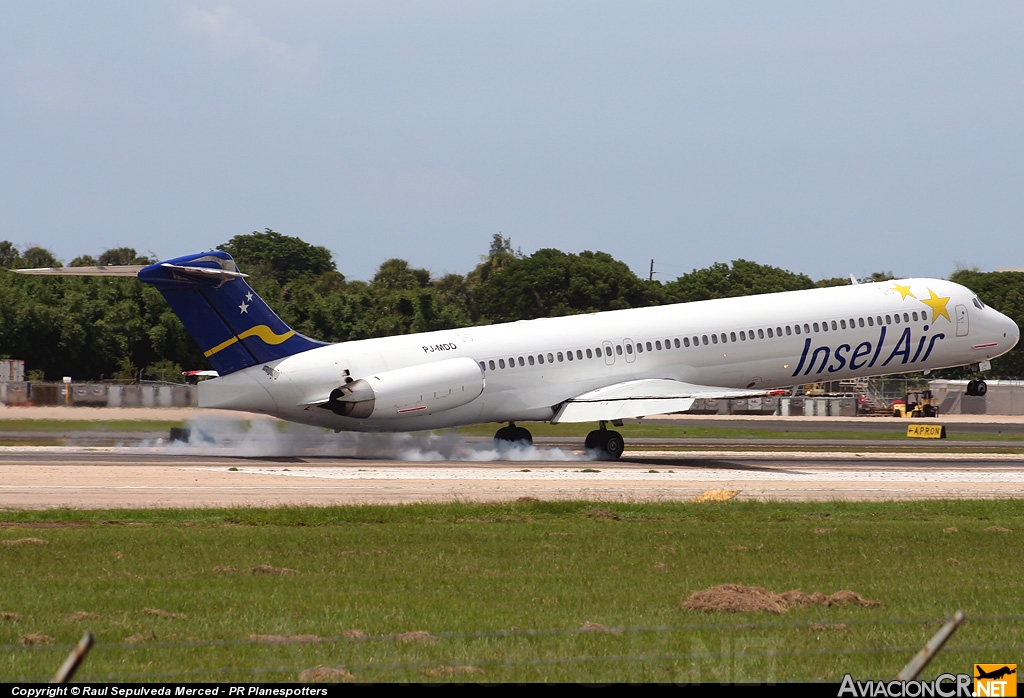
[(7, 615), (32, 639), (140, 637), (737, 598), (416, 636), (285, 638), (224, 569), (453, 671), (326, 674), (79, 616), (591, 627), (951, 529), (997, 529), (270, 569), (716, 496), (160, 613), (24, 541)]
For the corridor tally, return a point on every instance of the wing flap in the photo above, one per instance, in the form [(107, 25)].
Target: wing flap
[(640, 398)]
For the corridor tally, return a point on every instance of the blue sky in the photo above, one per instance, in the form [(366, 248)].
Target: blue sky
[(825, 138)]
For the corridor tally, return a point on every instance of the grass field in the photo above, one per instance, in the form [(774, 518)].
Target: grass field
[(529, 591)]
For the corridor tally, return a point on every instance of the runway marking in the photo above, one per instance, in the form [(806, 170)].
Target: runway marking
[(618, 475)]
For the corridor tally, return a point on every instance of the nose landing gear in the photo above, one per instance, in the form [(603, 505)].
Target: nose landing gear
[(976, 386)]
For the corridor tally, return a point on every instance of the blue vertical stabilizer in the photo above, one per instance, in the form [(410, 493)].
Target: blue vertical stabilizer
[(232, 325)]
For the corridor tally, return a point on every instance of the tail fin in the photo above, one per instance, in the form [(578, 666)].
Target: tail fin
[(233, 326)]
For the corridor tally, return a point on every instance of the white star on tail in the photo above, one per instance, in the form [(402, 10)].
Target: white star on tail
[(243, 307)]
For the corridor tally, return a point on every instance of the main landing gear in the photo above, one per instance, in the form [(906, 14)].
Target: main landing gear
[(976, 386), (608, 444), (513, 435)]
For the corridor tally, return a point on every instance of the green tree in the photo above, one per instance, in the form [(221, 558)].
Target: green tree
[(39, 257), (397, 275), (10, 257), (121, 256), (743, 278), (550, 283), (281, 258)]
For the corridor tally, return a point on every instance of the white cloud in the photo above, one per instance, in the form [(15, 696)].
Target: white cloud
[(235, 35)]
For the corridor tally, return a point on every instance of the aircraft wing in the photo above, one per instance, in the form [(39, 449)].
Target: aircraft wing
[(640, 398)]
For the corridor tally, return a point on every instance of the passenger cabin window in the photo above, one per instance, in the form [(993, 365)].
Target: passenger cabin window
[(796, 328), (501, 363), (686, 341), (705, 339), (677, 343), (491, 362), (579, 354), (714, 339), (815, 327), (769, 331), (861, 321), (743, 335), (789, 330), (482, 367), (760, 334), (560, 357), (650, 348), (523, 363), (540, 358)]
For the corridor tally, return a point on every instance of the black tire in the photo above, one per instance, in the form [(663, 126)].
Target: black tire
[(593, 442), (613, 445), (972, 388), (980, 389), (505, 435), (523, 435)]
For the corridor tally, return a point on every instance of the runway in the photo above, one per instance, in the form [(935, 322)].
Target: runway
[(100, 478)]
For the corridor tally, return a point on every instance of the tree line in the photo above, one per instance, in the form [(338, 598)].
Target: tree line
[(104, 327)]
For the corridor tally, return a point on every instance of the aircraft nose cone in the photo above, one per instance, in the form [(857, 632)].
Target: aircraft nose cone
[(1011, 331)]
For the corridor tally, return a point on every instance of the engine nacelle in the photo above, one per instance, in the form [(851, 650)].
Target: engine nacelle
[(407, 392)]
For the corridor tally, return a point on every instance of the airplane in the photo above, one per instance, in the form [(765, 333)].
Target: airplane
[(995, 673), (601, 367)]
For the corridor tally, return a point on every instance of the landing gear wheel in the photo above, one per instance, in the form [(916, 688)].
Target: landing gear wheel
[(513, 434), (608, 444), (613, 445), (980, 388), (972, 388)]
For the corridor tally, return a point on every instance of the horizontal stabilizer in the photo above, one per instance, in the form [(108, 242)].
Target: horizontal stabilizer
[(640, 398), (119, 270)]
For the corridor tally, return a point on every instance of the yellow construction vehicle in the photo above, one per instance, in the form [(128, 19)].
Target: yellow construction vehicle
[(919, 403)]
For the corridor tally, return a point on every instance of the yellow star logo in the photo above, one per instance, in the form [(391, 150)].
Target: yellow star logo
[(937, 304), (904, 291)]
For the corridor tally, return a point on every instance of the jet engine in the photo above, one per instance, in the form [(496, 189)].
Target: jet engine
[(406, 392)]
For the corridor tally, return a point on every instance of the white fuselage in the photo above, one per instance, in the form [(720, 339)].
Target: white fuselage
[(754, 342)]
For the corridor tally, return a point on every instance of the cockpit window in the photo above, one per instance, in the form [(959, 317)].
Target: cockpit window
[(977, 303)]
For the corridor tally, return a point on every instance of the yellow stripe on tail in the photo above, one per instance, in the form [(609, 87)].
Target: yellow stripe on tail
[(261, 331)]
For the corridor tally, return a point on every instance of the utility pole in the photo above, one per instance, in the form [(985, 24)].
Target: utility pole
[(651, 277)]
